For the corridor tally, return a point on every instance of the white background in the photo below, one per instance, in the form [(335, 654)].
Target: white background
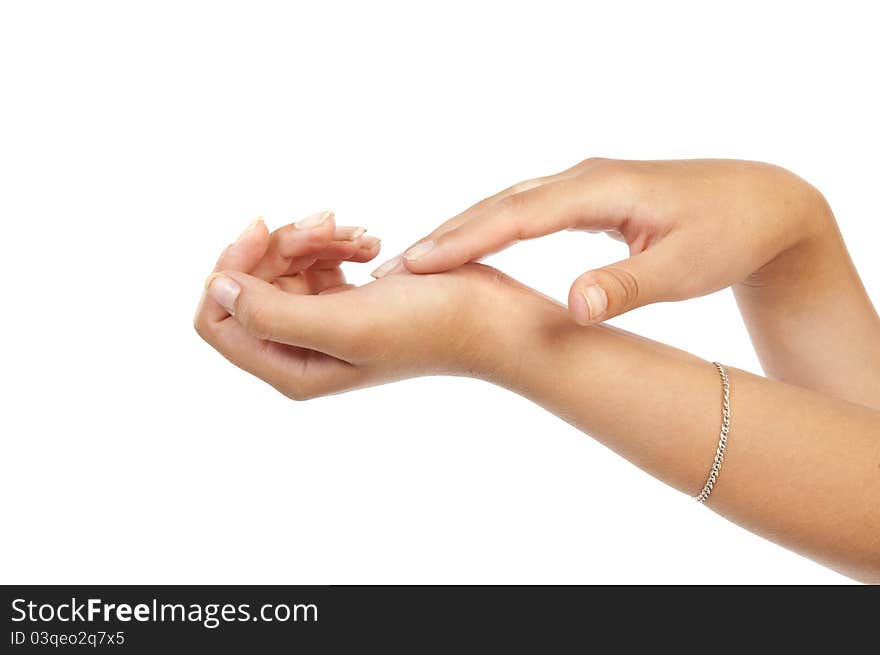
[(138, 139)]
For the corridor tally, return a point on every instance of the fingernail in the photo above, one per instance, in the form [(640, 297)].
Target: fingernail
[(371, 242), (418, 250), (314, 220), (391, 266), (597, 301), (357, 233), (224, 291)]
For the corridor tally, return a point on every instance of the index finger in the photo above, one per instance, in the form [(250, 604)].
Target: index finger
[(585, 201)]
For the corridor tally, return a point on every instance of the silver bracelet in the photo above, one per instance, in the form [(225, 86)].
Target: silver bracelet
[(722, 438)]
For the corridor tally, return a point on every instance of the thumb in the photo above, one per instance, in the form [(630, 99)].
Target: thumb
[(328, 323), (607, 292)]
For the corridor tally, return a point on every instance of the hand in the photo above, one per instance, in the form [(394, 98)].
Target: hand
[(279, 307), (693, 227)]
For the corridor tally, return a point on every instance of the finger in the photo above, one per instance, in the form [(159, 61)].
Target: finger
[(369, 248), (486, 203), (396, 265), (340, 288), (292, 284), (594, 190), (537, 212), (478, 208), (295, 246), (311, 281), (242, 255), (349, 233), (296, 372), (645, 278), (319, 280), (338, 250), (322, 323)]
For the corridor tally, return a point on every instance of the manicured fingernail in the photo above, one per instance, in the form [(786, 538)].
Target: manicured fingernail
[(597, 301), (313, 221), (357, 233), (370, 242), (391, 266), (224, 291), (418, 250)]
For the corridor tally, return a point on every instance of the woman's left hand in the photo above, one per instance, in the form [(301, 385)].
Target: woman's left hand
[(279, 307)]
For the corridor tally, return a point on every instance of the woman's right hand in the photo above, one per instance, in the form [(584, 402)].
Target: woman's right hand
[(692, 226)]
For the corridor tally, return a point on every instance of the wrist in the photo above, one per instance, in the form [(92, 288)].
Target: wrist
[(515, 333), (809, 238)]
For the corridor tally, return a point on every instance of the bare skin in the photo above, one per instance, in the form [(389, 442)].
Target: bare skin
[(694, 227), (803, 464)]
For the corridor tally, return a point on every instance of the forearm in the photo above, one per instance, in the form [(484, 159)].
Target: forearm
[(801, 468), (810, 319)]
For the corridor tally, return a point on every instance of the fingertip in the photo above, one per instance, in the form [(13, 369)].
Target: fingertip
[(247, 249), (597, 301), (420, 250), (369, 249), (239, 277), (348, 233), (392, 266), (434, 257), (371, 243), (578, 308), (423, 266), (259, 225), (224, 290), (261, 237), (587, 300), (423, 257)]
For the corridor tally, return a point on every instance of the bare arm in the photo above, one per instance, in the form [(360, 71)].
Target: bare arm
[(810, 318), (802, 469), (692, 227)]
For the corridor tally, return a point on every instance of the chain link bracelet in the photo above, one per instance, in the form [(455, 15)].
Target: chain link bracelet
[(722, 438)]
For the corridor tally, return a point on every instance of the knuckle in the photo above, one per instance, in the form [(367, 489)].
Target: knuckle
[(617, 176), (510, 212), (593, 162), (317, 238), (298, 390), (608, 167), (627, 286), (605, 168), (297, 395), (526, 185), (514, 212), (289, 386), (293, 244), (511, 204), (203, 327), (199, 327)]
